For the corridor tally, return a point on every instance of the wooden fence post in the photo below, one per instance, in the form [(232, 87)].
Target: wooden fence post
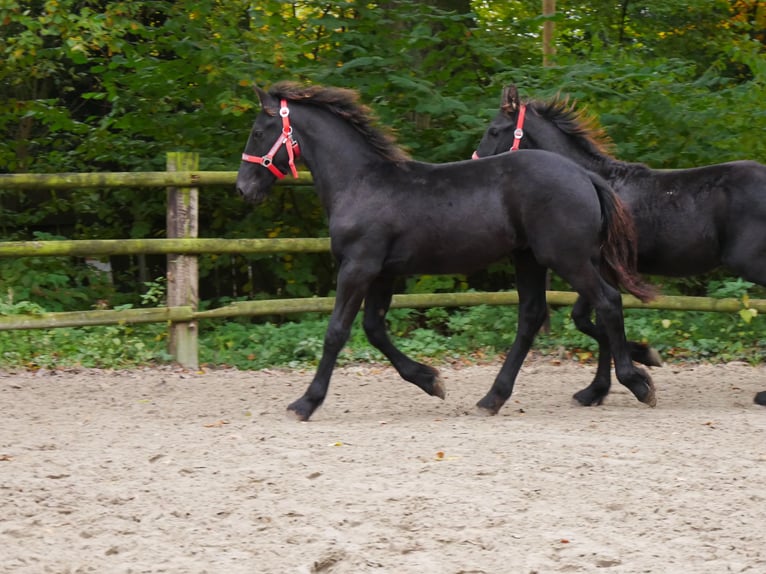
[(549, 44), (182, 270)]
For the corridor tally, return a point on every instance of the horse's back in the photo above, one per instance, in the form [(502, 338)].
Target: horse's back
[(460, 217), (690, 221)]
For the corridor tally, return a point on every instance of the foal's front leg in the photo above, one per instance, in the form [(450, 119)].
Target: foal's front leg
[(530, 283), (352, 284), (376, 306)]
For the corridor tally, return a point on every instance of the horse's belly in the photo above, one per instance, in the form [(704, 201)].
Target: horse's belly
[(439, 257), (677, 259)]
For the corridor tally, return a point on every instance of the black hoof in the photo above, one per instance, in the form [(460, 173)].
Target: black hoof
[(760, 398), (302, 409), (438, 389), (489, 405), (428, 379), (588, 397), (644, 391)]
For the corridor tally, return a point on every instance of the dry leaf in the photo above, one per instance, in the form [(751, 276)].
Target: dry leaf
[(216, 424)]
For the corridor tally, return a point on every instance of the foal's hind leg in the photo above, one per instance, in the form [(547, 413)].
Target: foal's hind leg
[(530, 283), (608, 304), (376, 306), (586, 279), (598, 389), (639, 352), (594, 393)]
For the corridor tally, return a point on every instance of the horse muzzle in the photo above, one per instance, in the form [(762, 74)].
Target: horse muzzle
[(252, 193)]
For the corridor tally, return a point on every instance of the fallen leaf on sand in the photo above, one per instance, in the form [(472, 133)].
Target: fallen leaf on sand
[(216, 424)]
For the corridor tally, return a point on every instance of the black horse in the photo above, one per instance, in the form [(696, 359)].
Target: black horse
[(688, 221), (390, 216)]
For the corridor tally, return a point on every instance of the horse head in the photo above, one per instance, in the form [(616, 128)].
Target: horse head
[(271, 150), (506, 131), (554, 125)]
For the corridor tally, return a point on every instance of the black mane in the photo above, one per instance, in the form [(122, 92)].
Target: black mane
[(345, 104), (564, 115)]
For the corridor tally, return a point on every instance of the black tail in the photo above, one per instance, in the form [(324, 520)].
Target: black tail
[(620, 247)]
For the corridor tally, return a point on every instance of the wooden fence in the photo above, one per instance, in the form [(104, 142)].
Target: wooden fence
[(182, 246)]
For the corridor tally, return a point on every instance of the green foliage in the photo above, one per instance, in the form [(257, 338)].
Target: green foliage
[(56, 283), (113, 346), (440, 334), (100, 85), (112, 85), (433, 335)]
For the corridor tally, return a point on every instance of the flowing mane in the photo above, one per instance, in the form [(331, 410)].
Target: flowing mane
[(575, 123), (345, 104)]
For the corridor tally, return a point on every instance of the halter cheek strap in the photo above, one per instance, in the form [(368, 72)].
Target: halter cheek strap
[(518, 133), (285, 139)]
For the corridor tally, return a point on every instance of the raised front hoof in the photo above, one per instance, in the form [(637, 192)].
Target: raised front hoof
[(645, 355), (302, 409), (428, 379), (589, 397), (760, 398), (644, 391), (438, 389), (489, 406)]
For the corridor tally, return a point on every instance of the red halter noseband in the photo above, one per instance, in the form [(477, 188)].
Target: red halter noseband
[(285, 139), (518, 133)]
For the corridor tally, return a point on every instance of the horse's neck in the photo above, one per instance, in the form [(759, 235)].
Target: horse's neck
[(613, 170), (589, 159), (335, 154)]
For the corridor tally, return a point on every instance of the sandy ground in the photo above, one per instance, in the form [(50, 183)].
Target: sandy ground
[(169, 471)]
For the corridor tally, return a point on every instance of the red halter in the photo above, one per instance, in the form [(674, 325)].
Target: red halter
[(518, 133), (285, 139)]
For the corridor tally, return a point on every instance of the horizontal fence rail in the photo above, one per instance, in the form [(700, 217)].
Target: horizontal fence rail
[(188, 314), (130, 179), (98, 247), (325, 305)]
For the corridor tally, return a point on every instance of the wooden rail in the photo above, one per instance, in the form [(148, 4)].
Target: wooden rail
[(325, 304)]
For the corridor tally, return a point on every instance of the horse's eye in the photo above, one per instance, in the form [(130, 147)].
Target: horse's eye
[(493, 132), (257, 134)]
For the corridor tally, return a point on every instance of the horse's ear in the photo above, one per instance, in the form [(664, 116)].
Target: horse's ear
[(267, 102), (510, 99), (262, 95)]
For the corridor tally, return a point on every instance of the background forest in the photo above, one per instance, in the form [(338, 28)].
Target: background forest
[(94, 85)]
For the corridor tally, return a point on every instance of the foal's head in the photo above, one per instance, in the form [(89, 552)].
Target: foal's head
[(554, 125), (273, 147)]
